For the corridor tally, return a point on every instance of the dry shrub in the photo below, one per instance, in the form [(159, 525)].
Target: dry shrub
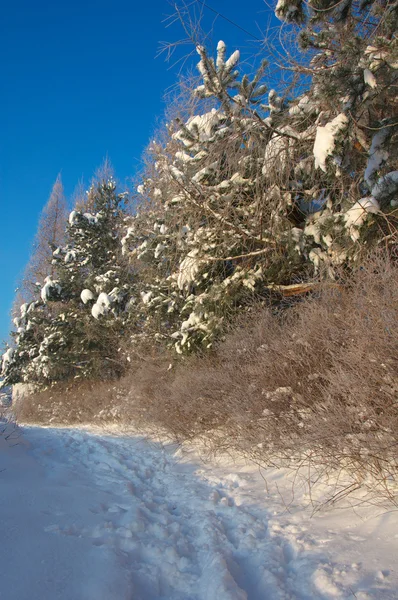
[(317, 381), (96, 402), (71, 403)]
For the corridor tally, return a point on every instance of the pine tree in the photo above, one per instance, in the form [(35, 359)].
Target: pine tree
[(256, 192), (95, 285), (251, 197), (205, 247), (74, 328), (350, 53)]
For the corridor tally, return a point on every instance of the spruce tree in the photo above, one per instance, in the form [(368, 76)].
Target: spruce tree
[(74, 328), (95, 285)]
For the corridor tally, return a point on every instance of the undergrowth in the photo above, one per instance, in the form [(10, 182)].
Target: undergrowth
[(314, 384)]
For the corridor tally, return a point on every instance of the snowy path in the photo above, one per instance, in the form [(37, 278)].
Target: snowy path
[(99, 517)]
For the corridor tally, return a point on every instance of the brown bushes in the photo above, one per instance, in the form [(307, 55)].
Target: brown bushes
[(69, 403), (317, 380), (98, 402)]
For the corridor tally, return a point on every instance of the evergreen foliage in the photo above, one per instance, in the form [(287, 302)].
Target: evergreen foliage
[(255, 191), (254, 195), (67, 333)]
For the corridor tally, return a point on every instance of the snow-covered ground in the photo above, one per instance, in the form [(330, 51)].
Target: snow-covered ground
[(94, 516)]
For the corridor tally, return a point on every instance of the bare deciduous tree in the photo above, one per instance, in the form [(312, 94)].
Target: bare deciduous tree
[(50, 234)]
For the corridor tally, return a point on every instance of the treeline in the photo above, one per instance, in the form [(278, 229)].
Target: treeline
[(257, 193)]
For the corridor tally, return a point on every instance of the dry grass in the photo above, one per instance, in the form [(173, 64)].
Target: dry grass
[(70, 403), (81, 402), (317, 382)]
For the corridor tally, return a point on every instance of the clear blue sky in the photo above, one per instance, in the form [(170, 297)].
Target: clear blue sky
[(80, 81)]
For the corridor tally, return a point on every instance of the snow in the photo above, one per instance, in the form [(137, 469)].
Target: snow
[(92, 219), (86, 295), (386, 186), (356, 215), (376, 56), (49, 288), (194, 321), (176, 174), (232, 61), (369, 78), (221, 50), (183, 157), (5, 396), (276, 152), (275, 102), (102, 306), (96, 311), (6, 359), (126, 238), (204, 174), (286, 11), (204, 125), (70, 256), (318, 257), (325, 139), (305, 106), (72, 217), (159, 250), (90, 515), (377, 154), (188, 269), (146, 297)]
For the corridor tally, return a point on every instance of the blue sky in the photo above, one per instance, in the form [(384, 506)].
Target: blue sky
[(80, 82)]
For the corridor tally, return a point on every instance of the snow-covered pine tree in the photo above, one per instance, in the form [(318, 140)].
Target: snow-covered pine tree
[(25, 361), (74, 328), (248, 195), (215, 232), (95, 284), (252, 196), (349, 51)]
